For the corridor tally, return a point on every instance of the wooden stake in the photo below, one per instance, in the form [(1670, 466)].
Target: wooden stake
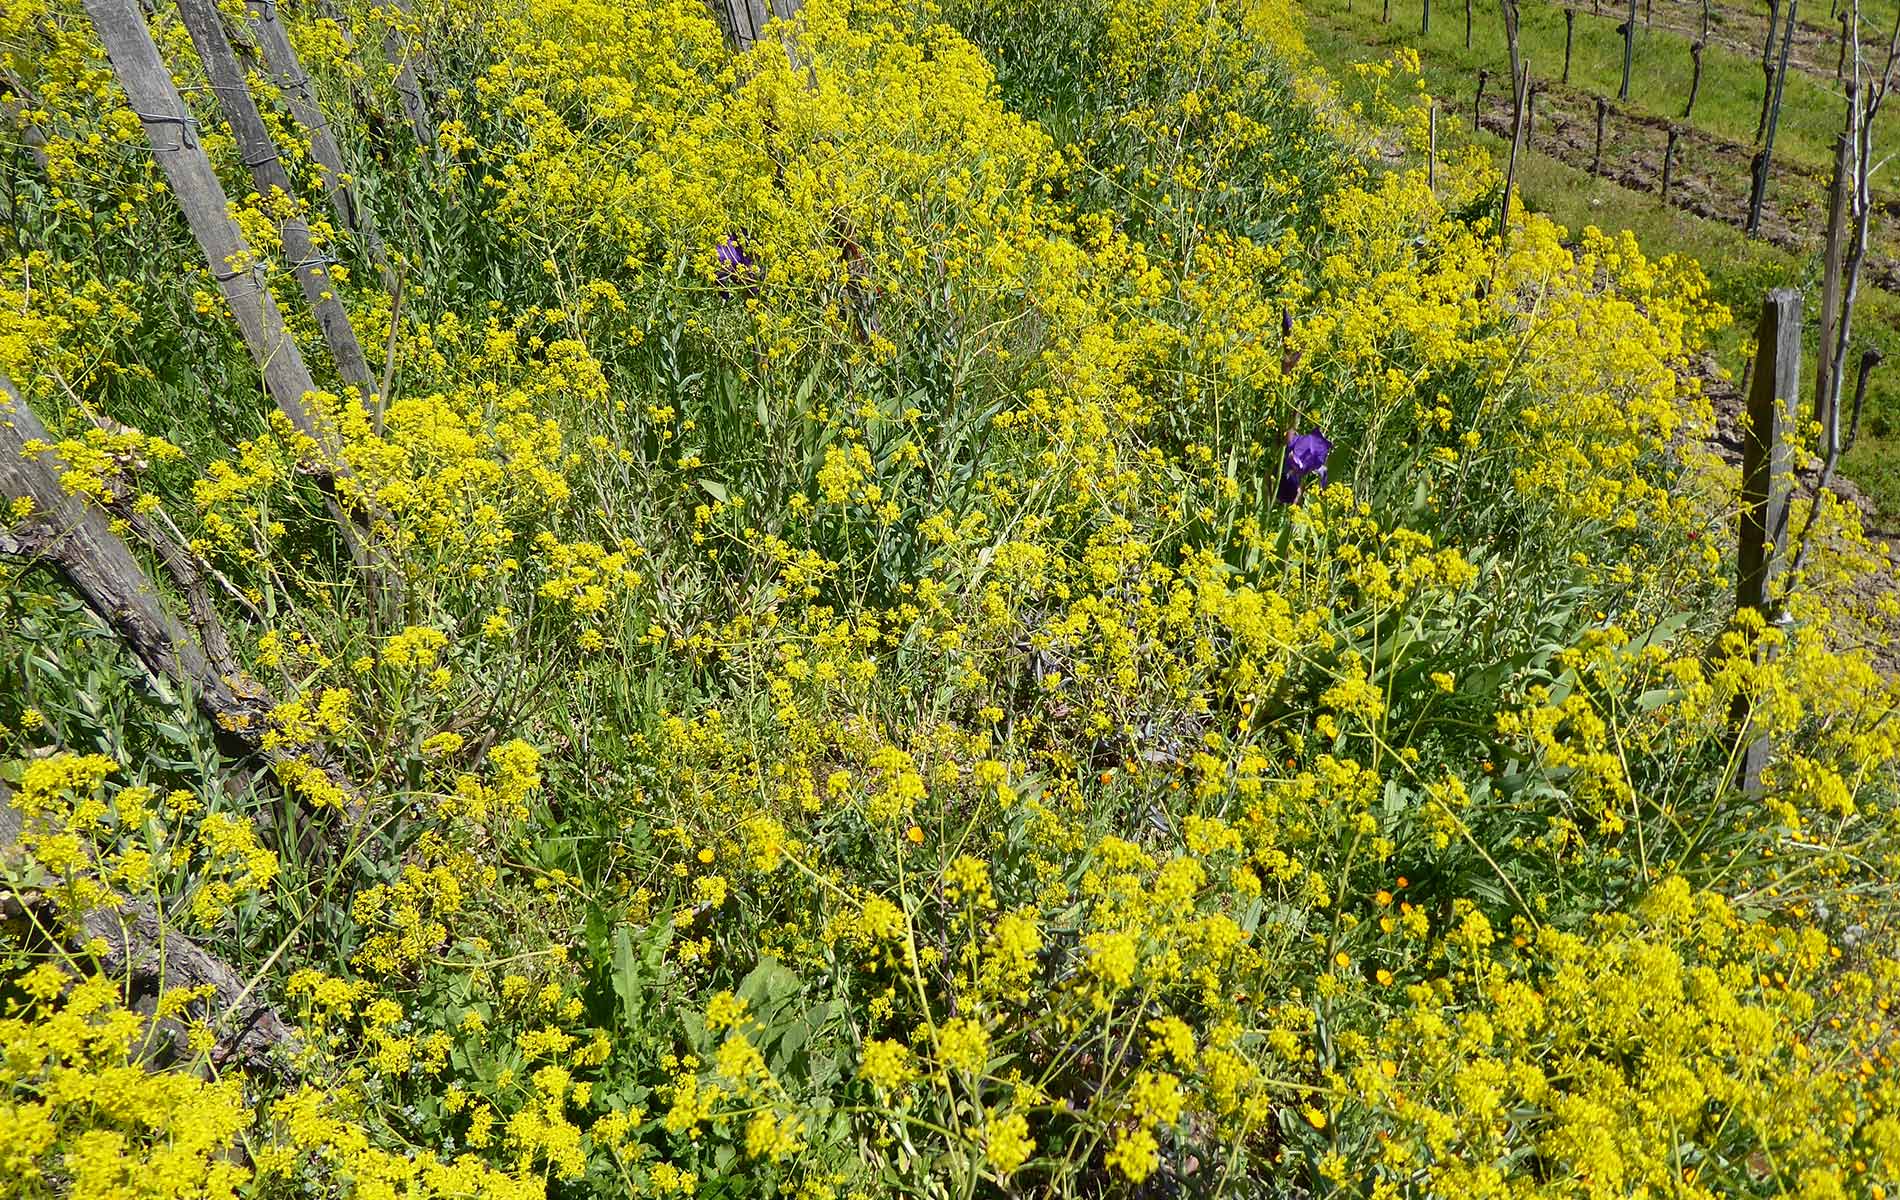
[(1759, 192), (1695, 82), (1765, 484), (1425, 18), (1767, 66), (1477, 103), (1510, 39), (1629, 52), (1831, 264), (1570, 27), (1431, 148), (1467, 24), (1520, 103), (259, 153), (1669, 162)]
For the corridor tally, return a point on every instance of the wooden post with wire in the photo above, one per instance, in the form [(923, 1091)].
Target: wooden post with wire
[(1766, 479)]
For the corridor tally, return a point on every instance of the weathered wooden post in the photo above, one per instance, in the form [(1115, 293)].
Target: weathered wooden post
[(1596, 158), (293, 81), (1570, 27), (1425, 18), (1695, 81), (1467, 24), (173, 134), (1628, 31), (259, 153), (402, 52), (1510, 40), (1431, 148), (1765, 486), (1831, 265), (1669, 162), (1767, 66), (1840, 62), (1477, 103), (1763, 159)]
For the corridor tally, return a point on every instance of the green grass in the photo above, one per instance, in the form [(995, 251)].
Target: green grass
[(1729, 104), (1740, 270)]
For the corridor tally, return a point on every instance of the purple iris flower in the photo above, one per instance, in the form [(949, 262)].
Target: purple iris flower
[(1305, 454), (735, 267)]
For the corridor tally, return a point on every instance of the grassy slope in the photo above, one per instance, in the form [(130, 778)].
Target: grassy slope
[(1739, 269)]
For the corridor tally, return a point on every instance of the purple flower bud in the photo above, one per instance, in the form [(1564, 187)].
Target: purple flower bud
[(1305, 455), (734, 267)]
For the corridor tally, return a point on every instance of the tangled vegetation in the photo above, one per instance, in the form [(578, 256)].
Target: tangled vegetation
[(982, 599)]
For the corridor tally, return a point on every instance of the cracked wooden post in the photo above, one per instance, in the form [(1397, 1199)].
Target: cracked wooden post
[(287, 72), (1669, 162), (75, 538), (1765, 485), (259, 153), (173, 134)]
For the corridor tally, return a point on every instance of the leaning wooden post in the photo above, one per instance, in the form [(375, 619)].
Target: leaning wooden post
[(1510, 39), (1570, 28), (1477, 102), (1765, 483), (1831, 265), (1520, 96), (1695, 81), (294, 82), (1629, 52), (1759, 191), (1669, 162), (400, 49), (76, 538), (1596, 158), (173, 133), (259, 153)]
